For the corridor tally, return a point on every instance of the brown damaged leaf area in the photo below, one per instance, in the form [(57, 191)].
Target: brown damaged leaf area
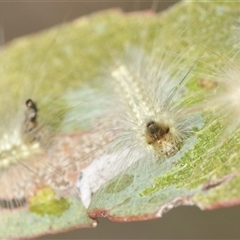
[(57, 168), (47, 197)]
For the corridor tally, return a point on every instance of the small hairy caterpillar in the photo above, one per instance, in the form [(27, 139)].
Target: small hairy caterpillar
[(35, 151), (224, 102), (147, 116)]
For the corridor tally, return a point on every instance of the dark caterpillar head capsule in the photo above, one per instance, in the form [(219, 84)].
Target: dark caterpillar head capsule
[(31, 130), (159, 137), (30, 116), (155, 131)]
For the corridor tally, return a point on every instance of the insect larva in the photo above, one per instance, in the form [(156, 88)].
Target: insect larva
[(147, 116), (225, 101)]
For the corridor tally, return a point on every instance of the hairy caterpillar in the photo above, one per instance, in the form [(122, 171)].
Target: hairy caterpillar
[(36, 145), (226, 97), (151, 108), (148, 116), (222, 101)]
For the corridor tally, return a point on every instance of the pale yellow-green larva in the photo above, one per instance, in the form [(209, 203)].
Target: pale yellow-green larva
[(146, 113)]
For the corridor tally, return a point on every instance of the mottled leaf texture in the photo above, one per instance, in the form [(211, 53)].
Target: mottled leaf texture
[(65, 59)]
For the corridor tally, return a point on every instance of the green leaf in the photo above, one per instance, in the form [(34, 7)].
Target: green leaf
[(60, 61)]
